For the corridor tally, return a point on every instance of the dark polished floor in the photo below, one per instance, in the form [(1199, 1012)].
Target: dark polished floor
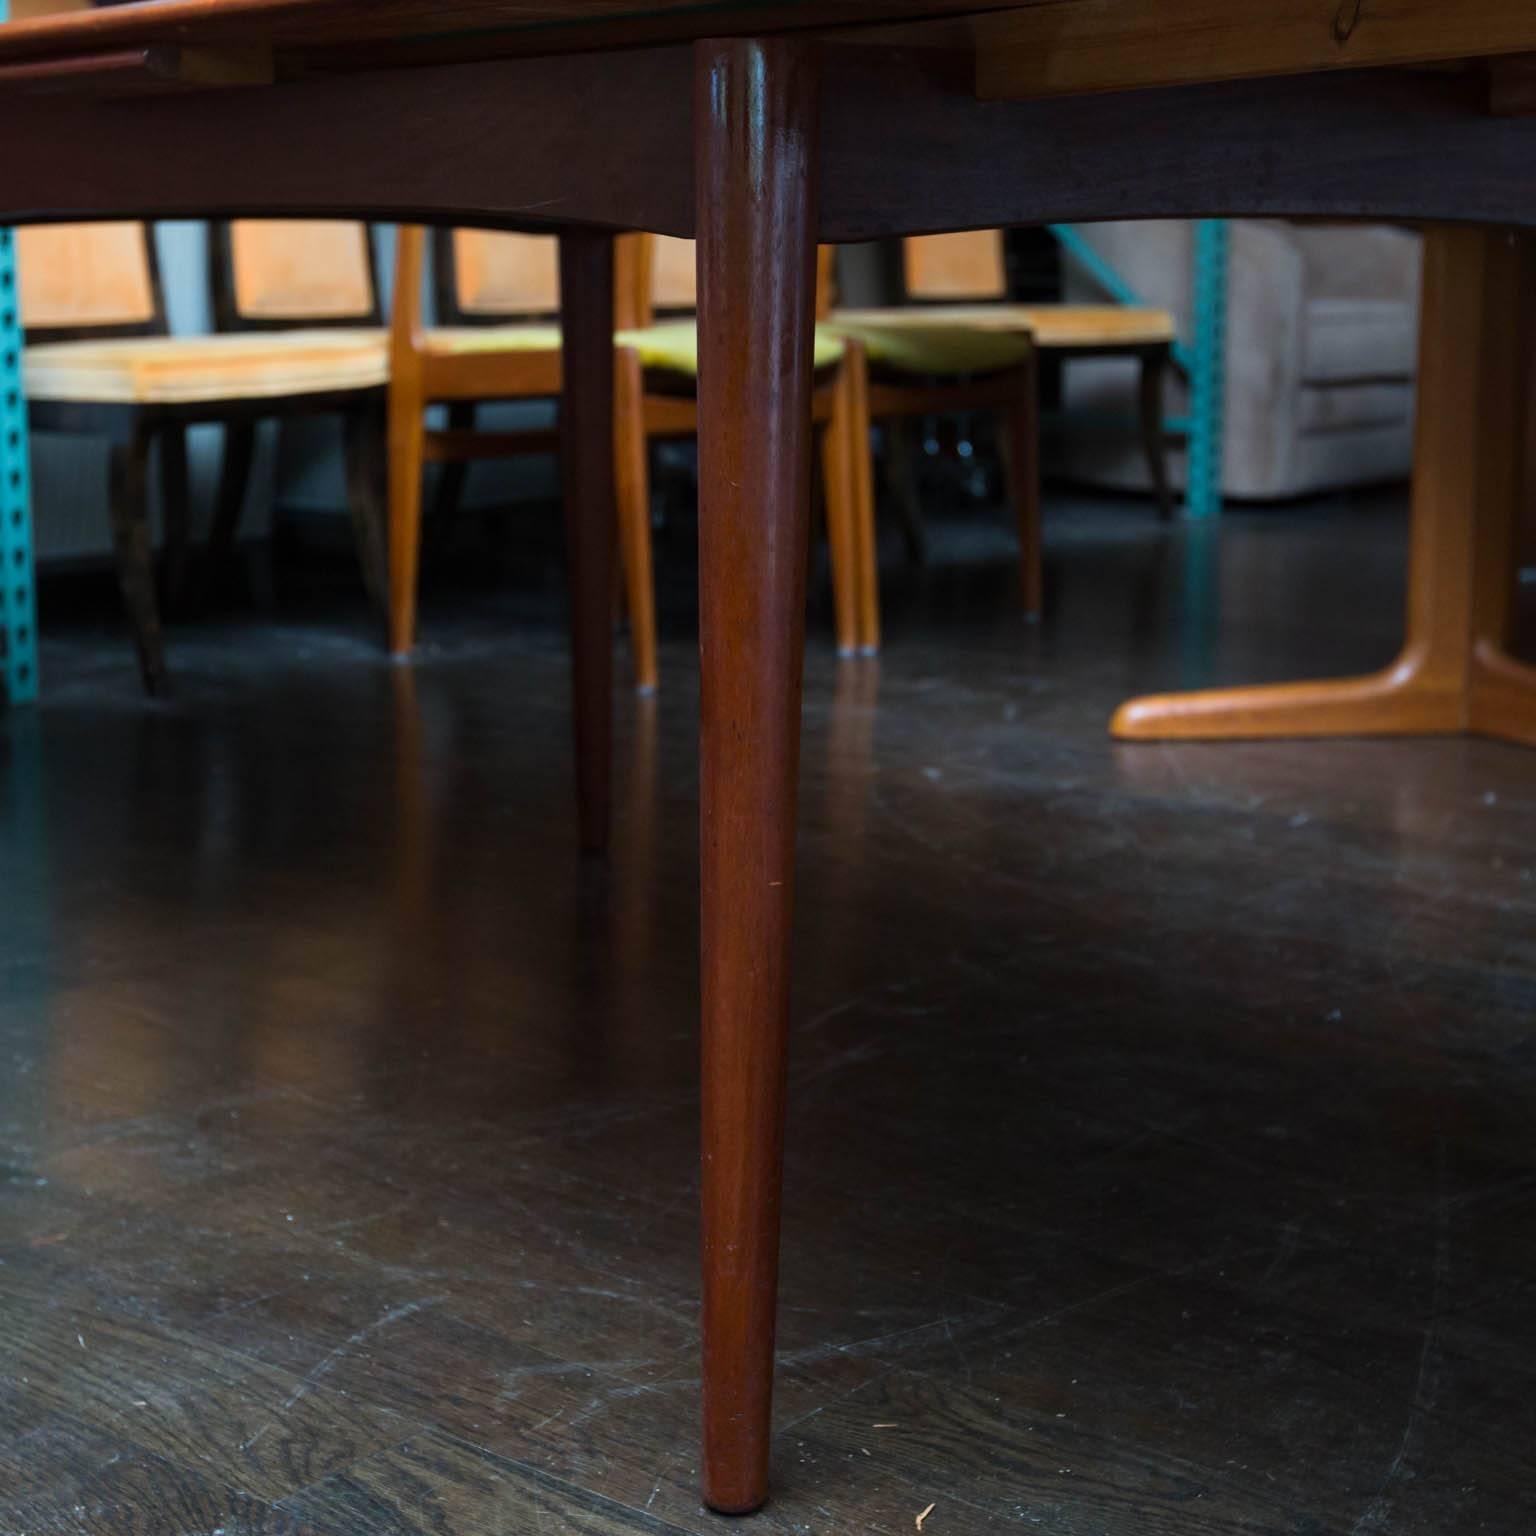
[(1162, 1156)]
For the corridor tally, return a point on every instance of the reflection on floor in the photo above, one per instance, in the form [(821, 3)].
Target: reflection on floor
[(1160, 1157)]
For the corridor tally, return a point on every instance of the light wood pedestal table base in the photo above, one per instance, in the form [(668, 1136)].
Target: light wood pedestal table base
[(1454, 674)]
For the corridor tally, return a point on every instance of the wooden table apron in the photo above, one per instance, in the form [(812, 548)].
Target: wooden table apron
[(760, 148)]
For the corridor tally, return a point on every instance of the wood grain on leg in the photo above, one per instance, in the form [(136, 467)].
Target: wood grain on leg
[(756, 168), (587, 481), (1453, 674)]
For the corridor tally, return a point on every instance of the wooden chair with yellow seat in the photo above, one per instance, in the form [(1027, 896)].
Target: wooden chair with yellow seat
[(948, 362), (498, 298), (496, 294), (956, 286), (100, 361), (294, 276), (656, 378)]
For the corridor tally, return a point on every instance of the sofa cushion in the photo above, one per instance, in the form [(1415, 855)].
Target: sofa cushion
[(1352, 339)]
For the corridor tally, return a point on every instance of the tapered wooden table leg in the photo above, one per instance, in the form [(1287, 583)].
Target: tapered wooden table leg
[(586, 468), (756, 134), (1453, 674)]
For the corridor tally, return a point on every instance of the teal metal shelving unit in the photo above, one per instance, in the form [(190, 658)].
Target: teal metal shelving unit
[(1208, 372), (18, 601), (1203, 358)]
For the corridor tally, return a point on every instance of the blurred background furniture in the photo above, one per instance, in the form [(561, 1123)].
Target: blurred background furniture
[(300, 276), (497, 300), (656, 399), (99, 361), (1321, 327)]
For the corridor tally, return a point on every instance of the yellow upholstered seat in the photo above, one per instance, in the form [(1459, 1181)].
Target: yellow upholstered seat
[(935, 351), (459, 340), (1050, 325), (672, 346), (181, 370)]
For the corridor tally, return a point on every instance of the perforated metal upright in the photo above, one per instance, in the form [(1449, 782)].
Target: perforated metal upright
[(1208, 369), (18, 602)]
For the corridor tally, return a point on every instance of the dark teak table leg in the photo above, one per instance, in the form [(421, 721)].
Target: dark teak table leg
[(756, 162), (586, 468)]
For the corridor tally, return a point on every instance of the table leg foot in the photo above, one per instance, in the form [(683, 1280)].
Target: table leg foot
[(587, 482), (1503, 697), (756, 122), (1454, 674), (1400, 701)]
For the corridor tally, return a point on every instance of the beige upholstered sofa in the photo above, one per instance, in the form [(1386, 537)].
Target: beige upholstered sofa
[(1322, 324)]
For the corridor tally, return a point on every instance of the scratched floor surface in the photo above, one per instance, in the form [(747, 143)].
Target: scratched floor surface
[(1162, 1156)]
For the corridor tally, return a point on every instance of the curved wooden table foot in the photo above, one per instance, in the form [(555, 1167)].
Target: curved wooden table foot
[(1454, 674), (1400, 701), (1503, 698)]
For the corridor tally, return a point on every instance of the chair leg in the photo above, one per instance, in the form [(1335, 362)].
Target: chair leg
[(837, 449), (448, 500), (363, 429), (407, 446), (866, 545), (1154, 441), (901, 482), (234, 479), (632, 488), (176, 506), (1021, 459), (756, 153), (587, 483), (128, 497)]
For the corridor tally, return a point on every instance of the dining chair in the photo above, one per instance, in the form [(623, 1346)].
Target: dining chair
[(497, 300), (496, 296), (656, 371), (100, 361), (295, 276), (918, 361), (963, 279)]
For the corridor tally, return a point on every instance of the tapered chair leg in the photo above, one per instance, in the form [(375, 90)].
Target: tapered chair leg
[(176, 504), (587, 482), (234, 478), (837, 471), (632, 481), (128, 498), (364, 433), (1022, 461), (866, 544), (755, 119), (407, 445)]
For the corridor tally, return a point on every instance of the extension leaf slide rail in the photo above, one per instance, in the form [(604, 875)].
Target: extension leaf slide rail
[(761, 129)]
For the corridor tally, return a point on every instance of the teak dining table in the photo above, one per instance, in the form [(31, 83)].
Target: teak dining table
[(762, 128)]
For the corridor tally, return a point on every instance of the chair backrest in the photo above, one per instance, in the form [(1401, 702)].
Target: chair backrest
[(945, 268), (488, 277), (88, 280), (268, 274), (668, 274)]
